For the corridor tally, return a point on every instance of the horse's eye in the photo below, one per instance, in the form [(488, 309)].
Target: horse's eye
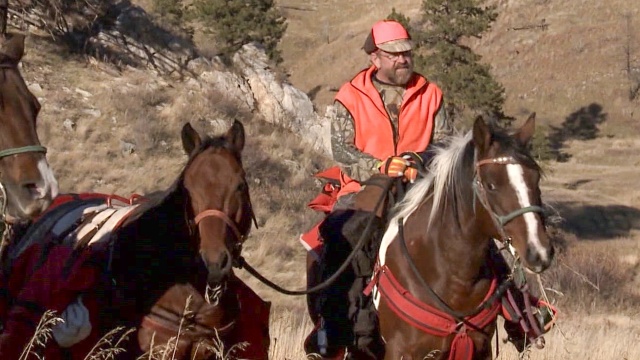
[(491, 186)]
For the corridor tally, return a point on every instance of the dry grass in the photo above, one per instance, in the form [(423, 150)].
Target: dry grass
[(597, 337)]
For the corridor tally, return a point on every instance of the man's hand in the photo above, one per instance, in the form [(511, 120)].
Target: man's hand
[(411, 173), (394, 166)]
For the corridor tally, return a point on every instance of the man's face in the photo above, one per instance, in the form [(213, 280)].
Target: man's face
[(393, 68)]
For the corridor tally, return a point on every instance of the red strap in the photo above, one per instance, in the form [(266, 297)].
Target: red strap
[(430, 319)]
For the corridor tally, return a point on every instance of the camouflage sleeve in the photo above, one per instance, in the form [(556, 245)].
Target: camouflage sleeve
[(443, 125), (354, 162)]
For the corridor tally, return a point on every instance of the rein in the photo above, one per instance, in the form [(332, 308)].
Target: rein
[(242, 263)]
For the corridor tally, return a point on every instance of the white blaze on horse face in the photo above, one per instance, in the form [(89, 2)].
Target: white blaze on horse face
[(516, 178), (50, 183)]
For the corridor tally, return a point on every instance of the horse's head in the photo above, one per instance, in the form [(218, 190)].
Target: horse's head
[(25, 174), (507, 185), (219, 196)]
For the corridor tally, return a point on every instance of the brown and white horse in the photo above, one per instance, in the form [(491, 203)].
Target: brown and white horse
[(434, 278)]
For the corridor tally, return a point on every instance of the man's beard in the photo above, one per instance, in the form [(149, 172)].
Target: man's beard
[(401, 75)]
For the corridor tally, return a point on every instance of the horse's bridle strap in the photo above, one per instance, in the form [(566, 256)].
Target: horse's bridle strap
[(503, 160), (23, 149), (503, 220), (222, 216), (479, 190)]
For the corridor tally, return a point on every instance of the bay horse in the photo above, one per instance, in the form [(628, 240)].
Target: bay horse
[(164, 270), (26, 180), (434, 277)]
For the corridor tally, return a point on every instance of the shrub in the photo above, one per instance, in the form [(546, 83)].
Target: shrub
[(239, 22)]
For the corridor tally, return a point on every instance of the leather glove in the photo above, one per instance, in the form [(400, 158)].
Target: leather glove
[(393, 166)]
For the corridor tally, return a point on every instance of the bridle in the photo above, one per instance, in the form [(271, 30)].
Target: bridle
[(224, 217), (15, 151), (3, 192), (479, 191)]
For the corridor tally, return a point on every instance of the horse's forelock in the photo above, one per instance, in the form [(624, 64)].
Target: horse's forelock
[(510, 146)]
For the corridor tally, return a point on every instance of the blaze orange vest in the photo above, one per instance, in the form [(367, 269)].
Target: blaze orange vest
[(373, 127)]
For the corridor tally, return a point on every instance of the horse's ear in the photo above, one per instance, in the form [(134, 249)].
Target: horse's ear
[(12, 46), (190, 139), (481, 134), (235, 136), (526, 132)]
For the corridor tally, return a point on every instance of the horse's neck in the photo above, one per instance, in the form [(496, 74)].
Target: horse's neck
[(458, 242), (465, 253), (156, 234)]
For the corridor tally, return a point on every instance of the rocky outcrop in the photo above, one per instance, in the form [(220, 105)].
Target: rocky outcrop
[(254, 87), (279, 102)]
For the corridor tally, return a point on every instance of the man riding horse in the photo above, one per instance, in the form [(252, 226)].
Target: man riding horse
[(388, 117)]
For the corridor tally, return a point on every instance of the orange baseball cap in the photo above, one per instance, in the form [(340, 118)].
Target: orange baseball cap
[(388, 35)]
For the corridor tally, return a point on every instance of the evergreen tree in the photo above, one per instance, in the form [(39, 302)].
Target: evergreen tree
[(239, 22), (440, 54)]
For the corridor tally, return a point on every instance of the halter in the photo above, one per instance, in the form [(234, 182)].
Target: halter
[(230, 223), (22, 150), (481, 192)]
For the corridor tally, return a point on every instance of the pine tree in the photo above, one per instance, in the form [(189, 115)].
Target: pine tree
[(239, 22), (441, 54), (466, 81)]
